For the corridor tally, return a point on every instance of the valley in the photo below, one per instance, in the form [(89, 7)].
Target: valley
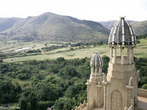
[(45, 59), (63, 49)]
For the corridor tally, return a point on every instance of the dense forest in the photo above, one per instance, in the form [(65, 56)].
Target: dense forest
[(60, 83)]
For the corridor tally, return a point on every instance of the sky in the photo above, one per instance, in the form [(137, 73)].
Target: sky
[(95, 10)]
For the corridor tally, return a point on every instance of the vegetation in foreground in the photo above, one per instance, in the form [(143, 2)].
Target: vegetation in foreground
[(36, 85)]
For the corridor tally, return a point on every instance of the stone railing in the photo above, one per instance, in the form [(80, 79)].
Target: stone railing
[(85, 106), (91, 105), (49, 108), (130, 108), (82, 106), (118, 60), (142, 92)]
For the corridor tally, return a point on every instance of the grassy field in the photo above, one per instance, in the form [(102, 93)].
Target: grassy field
[(64, 52), (10, 46), (139, 51)]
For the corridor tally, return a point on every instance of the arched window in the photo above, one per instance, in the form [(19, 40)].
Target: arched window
[(116, 100)]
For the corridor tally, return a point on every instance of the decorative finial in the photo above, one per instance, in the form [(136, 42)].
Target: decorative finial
[(130, 81), (122, 17), (96, 52), (104, 77)]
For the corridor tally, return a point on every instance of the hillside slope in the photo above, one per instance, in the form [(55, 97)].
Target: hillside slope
[(6, 23), (52, 27), (110, 24), (140, 27)]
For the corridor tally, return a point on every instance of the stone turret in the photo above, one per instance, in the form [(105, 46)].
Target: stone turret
[(120, 87), (96, 64), (94, 84), (122, 36)]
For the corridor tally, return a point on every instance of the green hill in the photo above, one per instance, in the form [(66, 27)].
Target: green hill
[(140, 27), (6, 23), (52, 27), (110, 24)]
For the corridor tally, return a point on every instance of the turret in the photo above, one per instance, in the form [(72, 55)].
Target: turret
[(96, 64), (94, 84), (120, 87), (122, 36)]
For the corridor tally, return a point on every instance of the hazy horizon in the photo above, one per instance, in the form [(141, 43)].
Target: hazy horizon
[(95, 10)]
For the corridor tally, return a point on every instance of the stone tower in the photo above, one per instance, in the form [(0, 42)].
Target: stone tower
[(120, 84), (94, 84), (118, 89)]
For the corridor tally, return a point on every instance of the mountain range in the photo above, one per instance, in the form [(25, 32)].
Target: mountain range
[(53, 27), (140, 27)]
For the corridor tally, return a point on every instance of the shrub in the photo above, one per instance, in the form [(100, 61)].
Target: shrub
[(144, 86), (43, 105)]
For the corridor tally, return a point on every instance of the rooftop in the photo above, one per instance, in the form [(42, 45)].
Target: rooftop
[(122, 33), (142, 103)]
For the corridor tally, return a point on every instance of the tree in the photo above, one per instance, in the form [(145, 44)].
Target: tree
[(105, 63), (60, 59), (141, 65), (43, 105), (65, 104), (9, 93), (33, 101), (48, 89), (68, 72), (23, 104), (29, 99), (59, 104)]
